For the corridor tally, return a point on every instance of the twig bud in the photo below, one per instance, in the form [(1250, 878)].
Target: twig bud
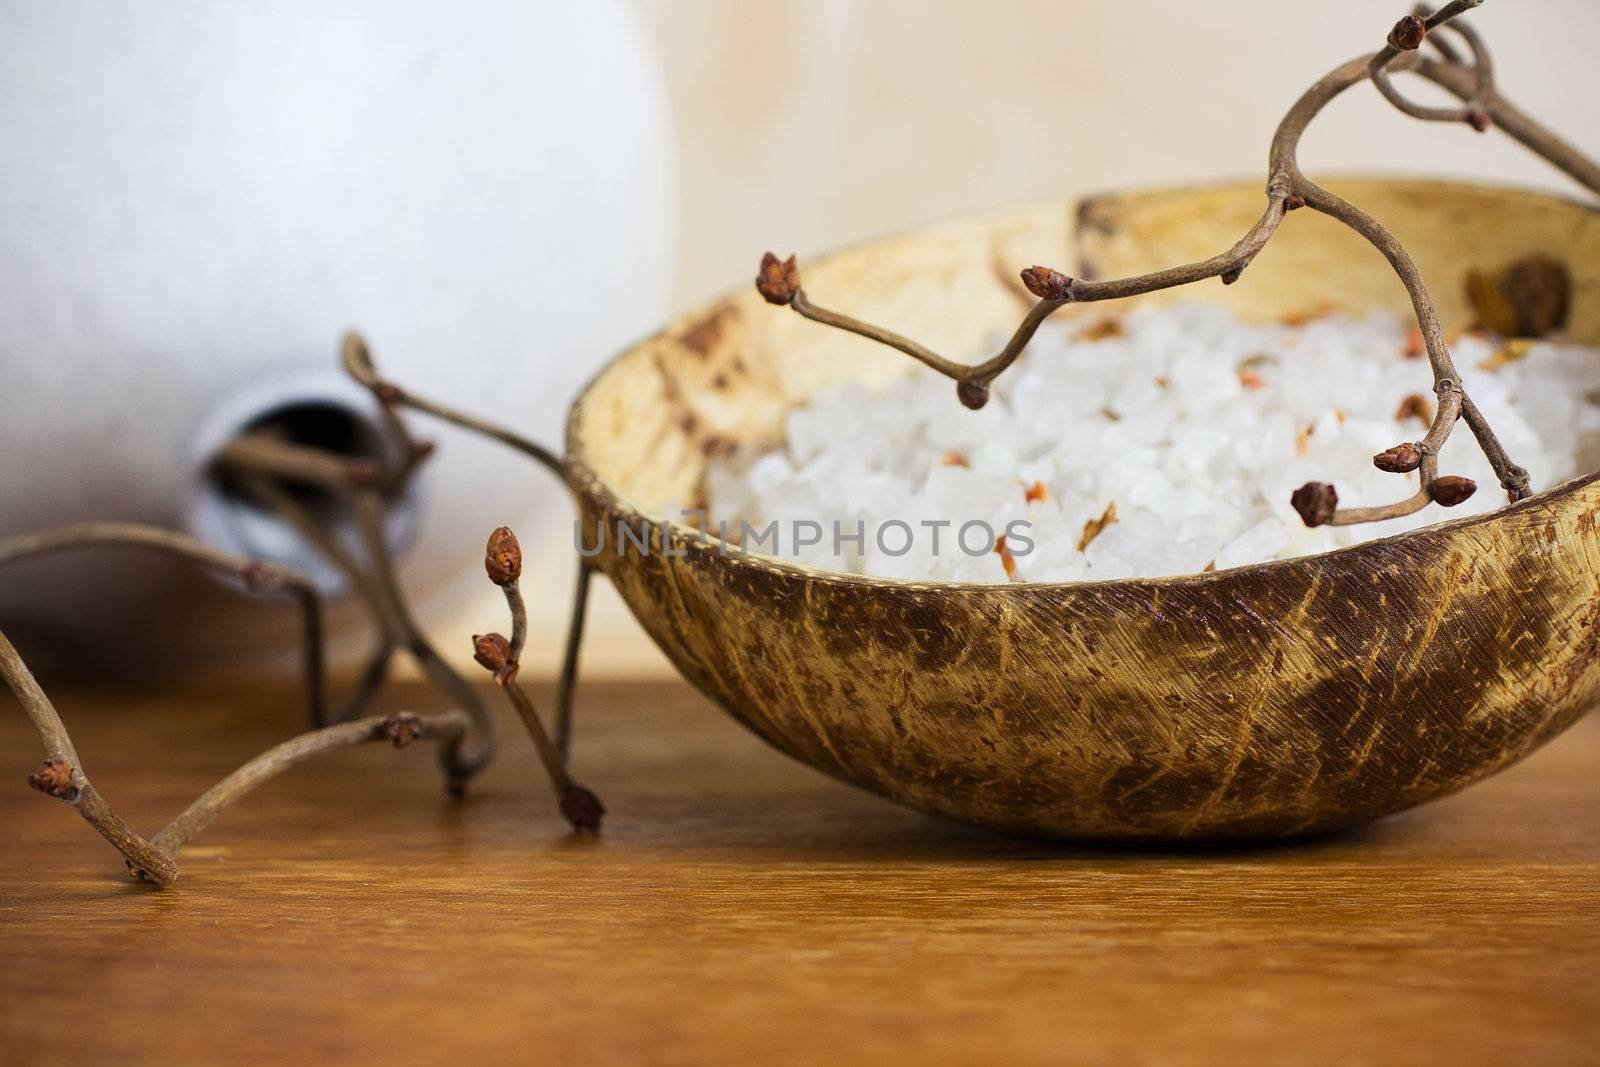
[(54, 778), (1401, 459), (778, 280), (972, 394), (1450, 490), (493, 653), (1231, 276), (1479, 120), (402, 728), (582, 809), (1315, 502), (1408, 33), (502, 560), (1047, 284), (1293, 202)]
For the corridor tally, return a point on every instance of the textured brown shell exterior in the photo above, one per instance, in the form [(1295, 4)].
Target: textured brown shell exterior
[(1275, 699)]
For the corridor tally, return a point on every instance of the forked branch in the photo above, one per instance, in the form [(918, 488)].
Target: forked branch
[(255, 575), (155, 859), (1471, 78), (502, 657)]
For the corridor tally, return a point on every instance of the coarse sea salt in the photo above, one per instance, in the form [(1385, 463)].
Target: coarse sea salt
[(1195, 426)]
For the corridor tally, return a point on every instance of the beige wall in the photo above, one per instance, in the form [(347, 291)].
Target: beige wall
[(811, 123)]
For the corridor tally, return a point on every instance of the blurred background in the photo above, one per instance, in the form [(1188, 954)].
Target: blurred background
[(492, 173)]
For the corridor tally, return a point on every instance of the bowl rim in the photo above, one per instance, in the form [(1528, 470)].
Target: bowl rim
[(584, 481)]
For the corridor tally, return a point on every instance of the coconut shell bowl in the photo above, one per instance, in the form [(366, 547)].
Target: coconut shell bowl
[(1278, 699)]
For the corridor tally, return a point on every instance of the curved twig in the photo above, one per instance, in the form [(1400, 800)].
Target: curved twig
[(256, 575), (503, 563), (779, 281), (258, 467), (62, 776), (357, 360), (1408, 35)]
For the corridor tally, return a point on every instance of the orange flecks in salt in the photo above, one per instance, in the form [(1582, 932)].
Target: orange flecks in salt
[(1250, 379), (1007, 560), (954, 459), (1036, 493), (1320, 311), (1302, 439), (1095, 527), (1415, 406), (1102, 330), (1513, 350), (1339, 415), (1415, 347)]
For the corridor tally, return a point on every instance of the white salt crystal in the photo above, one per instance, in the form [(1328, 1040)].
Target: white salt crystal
[(1198, 427)]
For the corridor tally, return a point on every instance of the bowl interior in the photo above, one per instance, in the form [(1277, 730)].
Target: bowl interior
[(724, 374)]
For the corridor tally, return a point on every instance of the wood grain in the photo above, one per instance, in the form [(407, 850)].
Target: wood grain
[(744, 909)]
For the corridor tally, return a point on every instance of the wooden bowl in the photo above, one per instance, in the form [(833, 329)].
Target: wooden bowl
[(1275, 699)]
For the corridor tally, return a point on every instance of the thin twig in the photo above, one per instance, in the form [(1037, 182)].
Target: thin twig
[(1288, 189), (566, 685), (256, 575), (503, 563), (374, 578), (357, 359), (61, 775)]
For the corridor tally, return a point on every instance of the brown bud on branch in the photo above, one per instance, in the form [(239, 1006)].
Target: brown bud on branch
[(493, 653), (54, 778), (778, 280), (1293, 202), (1047, 284), (402, 728), (502, 559), (1450, 490), (1401, 459), (1315, 502), (1408, 33), (582, 809), (972, 394)]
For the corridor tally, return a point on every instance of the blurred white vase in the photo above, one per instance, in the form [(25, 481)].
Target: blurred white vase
[(198, 200)]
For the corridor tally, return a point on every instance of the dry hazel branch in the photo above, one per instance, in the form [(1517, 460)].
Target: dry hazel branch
[(779, 282), (502, 561), (62, 776), (357, 359), (269, 469)]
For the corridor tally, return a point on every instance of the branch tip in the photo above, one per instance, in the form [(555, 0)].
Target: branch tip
[(778, 280), (1315, 502), (582, 809), (502, 559), (1408, 34), (1047, 284)]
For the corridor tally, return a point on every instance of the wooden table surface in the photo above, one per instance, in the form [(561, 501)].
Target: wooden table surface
[(742, 909)]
